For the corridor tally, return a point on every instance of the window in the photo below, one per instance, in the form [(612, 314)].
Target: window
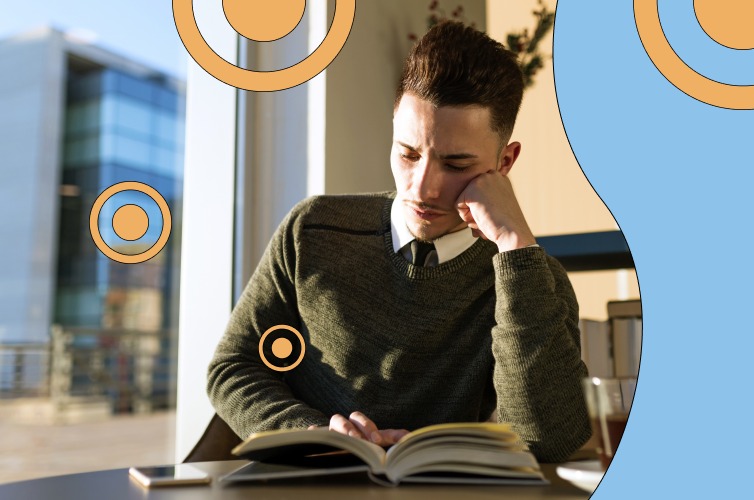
[(76, 328)]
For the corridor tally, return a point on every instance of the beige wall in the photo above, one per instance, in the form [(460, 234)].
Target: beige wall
[(551, 187)]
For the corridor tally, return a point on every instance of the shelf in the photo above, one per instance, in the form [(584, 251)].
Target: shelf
[(589, 251)]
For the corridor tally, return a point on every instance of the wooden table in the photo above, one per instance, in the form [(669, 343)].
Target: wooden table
[(117, 485)]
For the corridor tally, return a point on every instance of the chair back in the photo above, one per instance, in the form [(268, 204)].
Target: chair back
[(215, 444)]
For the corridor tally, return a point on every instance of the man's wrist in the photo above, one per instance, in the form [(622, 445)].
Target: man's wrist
[(514, 243)]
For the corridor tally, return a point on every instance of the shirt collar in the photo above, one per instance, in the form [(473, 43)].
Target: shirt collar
[(448, 247)]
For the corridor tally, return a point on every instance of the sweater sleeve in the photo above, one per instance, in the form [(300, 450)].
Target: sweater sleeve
[(536, 346), (247, 394)]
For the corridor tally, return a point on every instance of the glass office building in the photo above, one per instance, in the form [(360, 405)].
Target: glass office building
[(117, 128), (77, 119)]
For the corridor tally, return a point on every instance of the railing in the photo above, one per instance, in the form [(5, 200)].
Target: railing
[(134, 370), (24, 370)]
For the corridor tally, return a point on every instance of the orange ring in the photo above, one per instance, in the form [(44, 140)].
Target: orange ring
[(300, 339), (688, 81), (263, 81), (97, 208)]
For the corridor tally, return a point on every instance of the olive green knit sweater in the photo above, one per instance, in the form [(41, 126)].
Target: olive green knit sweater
[(407, 346)]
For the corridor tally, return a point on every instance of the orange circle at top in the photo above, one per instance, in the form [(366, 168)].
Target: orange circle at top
[(728, 22), (263, 20), (264, 81)]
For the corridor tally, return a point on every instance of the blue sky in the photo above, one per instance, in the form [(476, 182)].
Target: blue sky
[(140, 29)]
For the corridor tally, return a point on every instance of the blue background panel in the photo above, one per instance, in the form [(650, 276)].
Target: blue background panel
[(677, 175)]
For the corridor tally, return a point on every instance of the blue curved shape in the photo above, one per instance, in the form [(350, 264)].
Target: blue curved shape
[(677, 175)]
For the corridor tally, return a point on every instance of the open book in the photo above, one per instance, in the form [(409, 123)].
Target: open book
[(474, 453)]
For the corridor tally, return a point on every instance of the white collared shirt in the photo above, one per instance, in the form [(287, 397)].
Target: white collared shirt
[(448, 247)]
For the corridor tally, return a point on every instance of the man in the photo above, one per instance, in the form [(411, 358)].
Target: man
[(400, 334)]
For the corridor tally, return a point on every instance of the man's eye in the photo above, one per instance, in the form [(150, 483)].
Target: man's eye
[(409, 157), (455, 168)]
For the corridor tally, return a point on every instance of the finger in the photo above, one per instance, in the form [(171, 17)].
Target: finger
[(392, 436), (365, 426), (466, 215), (341, 424), (476, 233), (461, 202)]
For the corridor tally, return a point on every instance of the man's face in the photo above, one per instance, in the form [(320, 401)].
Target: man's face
[(436, 152)]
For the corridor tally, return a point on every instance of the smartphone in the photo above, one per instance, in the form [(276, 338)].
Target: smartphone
[(169, 475)]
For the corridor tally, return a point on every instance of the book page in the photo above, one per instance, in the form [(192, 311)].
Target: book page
[(286, 445), (485, 430)]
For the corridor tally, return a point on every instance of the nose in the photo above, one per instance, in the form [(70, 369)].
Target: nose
[(427, 180)]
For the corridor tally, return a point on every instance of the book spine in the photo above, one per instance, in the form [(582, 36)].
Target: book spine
[(624, 308), (596, 349), (627, 334)]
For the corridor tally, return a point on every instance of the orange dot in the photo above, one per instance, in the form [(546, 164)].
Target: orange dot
[(263, 20), (728, 22), (130, 222), (282, 348)]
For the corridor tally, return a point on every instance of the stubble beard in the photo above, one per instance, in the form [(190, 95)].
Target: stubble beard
[(423, 233), (427, 232)]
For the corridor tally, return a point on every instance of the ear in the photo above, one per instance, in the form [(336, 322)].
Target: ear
[(508, 157)]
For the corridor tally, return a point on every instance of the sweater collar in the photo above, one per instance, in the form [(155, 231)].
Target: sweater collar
[(448, 246)]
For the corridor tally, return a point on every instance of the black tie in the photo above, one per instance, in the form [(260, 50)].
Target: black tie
[(420, 251)]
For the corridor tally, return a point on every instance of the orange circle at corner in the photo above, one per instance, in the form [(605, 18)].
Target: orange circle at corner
[(262, 20), (281, 348), (728, 22), (688, 81), (263, 81), (97, 208)]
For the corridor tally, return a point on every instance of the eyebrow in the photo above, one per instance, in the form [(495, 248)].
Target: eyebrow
[(455, 156)]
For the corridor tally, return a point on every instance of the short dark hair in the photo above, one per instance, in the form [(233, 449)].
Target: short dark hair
[(456, 65)]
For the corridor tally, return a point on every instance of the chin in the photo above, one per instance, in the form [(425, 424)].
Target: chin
[(430, 230), (427, 232)]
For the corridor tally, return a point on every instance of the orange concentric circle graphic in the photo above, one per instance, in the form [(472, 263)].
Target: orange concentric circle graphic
[(248, 19), (665, 59), (129, 222), (728, 22), (281, 348)]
